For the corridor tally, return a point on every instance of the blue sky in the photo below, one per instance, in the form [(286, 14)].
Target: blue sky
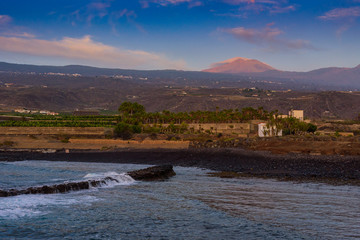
[(296, 35)]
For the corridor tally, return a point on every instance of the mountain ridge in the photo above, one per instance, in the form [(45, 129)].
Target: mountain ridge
[(334, 77), (239, 65)]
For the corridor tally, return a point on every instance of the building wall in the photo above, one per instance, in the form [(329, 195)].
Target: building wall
[(299, 114)]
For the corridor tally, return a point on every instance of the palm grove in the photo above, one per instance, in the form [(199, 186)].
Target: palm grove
[(133, 118)]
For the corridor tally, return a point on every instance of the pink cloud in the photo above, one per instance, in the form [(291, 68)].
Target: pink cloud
[(269, 37), (192, 3), (85, 50), (195, 4), (5, 19), (340, 13), (279, 9), (245, 7), (237, 2)]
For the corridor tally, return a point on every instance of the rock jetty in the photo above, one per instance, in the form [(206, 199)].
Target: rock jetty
[(148, 174)]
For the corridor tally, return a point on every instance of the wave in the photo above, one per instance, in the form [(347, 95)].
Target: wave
[(33, 205), (92, 180), (111, 178)]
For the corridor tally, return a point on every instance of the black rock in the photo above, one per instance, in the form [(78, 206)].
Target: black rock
[(153, 173), (148, 174)]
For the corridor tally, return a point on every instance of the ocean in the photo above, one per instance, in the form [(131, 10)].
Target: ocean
[(190, 205)]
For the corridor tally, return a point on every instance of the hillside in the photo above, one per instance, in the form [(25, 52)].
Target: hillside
[(333, 105), (62, 89)]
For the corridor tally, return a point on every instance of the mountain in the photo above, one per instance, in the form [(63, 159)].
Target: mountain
[(239, 65), (338, 77), (348, 78), (236, 72)]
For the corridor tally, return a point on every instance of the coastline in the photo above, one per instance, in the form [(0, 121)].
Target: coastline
[(333, 169)]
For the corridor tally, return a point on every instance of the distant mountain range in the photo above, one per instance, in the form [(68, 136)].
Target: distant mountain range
[(235, 72), (332, 76)]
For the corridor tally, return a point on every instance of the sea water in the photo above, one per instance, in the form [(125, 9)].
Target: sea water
[(190, 205)]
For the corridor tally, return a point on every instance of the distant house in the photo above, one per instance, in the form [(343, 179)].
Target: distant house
[(299, 114), (86, 113), (265, 130), (22, 110), (45, 112)]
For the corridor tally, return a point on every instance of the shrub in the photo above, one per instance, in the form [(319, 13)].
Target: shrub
[(153, 136), (311, 128), (136, 128), (123, 130)]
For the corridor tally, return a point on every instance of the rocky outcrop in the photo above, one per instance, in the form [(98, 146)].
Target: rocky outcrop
[(58, 188), (153, 173), (148, 174)]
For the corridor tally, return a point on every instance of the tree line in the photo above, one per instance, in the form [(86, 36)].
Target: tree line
[(133, 118)]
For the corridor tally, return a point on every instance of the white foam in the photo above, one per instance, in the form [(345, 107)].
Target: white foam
[(36, 205), (100, 175), (121, 178)]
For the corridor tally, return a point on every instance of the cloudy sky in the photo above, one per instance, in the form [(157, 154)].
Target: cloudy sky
[(296, 35)]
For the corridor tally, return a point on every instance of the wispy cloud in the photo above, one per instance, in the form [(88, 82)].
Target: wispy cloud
[(7, 28), (341, 13), (88, 51), (91, 11), (268, 37), (191, 3), (5, 19), (345, 17), (259, 6), (19, 34), (102, 10), (237, 2)]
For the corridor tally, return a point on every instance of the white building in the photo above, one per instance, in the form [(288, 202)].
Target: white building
[(265, 130)]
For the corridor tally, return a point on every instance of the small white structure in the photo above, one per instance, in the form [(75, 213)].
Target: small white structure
[(22, 110), (266, 130)]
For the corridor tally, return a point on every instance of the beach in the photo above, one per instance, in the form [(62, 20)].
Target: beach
[(335, 169)]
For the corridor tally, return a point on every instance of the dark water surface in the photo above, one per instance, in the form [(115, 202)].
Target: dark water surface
[(190, 205)]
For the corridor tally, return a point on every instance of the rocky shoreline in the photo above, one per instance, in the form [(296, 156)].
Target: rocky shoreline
[(335, 168)]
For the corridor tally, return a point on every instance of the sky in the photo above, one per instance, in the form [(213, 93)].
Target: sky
[(292, 35)]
